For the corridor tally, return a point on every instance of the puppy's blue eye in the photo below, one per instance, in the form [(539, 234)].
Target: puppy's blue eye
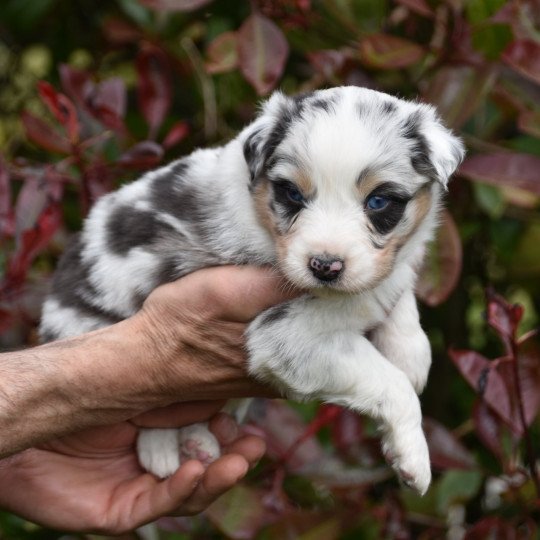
[(294, 195), (377, 202)]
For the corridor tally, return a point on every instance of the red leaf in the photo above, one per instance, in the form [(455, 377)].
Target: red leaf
[(445, 449), (529, 122), (98, 178), (488, 428), (503, 317), (442, 267), (108, 103), (32, 242), (528, 358), (76, 83), (143, 155), (262, 52), (222, 53), (282, 426), (178, 132), (504, 169), (420, 7), (524, 57), (6, 320), (175, 5), (120, 32), (492, 527), (383, 51), (62, 108), (328, 62), (7, 220), (494, 381), (154, 86), (347, 430), (43, 135)]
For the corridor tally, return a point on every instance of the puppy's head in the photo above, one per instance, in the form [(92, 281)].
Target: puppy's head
[(347, 180)]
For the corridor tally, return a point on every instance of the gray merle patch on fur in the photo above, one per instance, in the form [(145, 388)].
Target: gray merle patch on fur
[(128, 228), (325, 104), (420, 160), (274, 314), (388, 107), (71, 285)]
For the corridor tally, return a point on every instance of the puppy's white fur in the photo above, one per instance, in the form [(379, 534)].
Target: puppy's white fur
[(298, 187)]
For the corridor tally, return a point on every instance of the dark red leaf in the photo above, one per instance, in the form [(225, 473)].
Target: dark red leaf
[(529, 122), (442, 266), (421, 7), (76, 83), (120, 32), (347, 430), (154, 86), (458, 91), (492, 527), (504, 169), (108, 103), (7, 218), (524, 57), (281, 426), (503, 317), (484, 376), (528, 357), (262, 52), (384, 51), (445, 450), (62, 108), (328, 63), (98, 178), (222, 53), (6, 320), (44, 135), (143, 155), (32, 199), (175, 5), (31, 242), (178, 132), (488, 427)]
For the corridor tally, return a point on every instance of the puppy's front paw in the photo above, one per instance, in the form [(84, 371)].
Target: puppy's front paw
[(408, 455), (158, 451), (196, 442)]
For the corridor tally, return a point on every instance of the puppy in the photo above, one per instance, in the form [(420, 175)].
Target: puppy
[(339, 189)]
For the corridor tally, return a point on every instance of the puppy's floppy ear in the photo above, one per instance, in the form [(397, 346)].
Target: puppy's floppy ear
[(436, 152), (264, 135)]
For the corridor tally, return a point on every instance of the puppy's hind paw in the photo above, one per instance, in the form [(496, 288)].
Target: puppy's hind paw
[(196, 442)]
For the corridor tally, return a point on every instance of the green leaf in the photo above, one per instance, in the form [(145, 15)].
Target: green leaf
[(479, 10), (457, 487), (491, 40), (489, 199)]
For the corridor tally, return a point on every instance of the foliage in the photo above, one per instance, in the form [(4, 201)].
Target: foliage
[(95, 92)]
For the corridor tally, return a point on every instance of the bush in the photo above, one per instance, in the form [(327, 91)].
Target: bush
[(95, 92)]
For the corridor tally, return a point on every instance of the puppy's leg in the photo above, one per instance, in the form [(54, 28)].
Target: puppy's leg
[(402, 341), (161, 451), (346, 369)]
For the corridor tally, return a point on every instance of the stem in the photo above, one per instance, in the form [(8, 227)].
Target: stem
[(526, 433)]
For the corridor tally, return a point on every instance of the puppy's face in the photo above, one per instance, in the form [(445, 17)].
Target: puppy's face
[(343, 179)]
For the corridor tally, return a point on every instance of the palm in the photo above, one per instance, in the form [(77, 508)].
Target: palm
[(93, 482)]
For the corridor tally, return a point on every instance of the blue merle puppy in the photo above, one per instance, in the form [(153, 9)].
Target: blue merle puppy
[(338, 189)]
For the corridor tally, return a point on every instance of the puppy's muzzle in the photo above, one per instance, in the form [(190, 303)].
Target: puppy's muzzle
[(326, 268)]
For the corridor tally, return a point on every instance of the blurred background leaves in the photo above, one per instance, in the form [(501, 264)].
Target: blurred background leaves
[(93, 93)]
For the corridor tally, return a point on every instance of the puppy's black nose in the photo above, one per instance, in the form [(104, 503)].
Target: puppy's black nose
[(326, 268)]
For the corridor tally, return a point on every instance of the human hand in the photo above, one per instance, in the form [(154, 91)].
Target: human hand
[(195, 329), (91, 481)]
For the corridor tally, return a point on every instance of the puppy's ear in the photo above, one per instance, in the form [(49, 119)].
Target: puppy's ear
[(436, 152), (263, 136)]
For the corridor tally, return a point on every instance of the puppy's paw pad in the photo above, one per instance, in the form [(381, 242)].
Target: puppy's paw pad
[(196, 442)]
